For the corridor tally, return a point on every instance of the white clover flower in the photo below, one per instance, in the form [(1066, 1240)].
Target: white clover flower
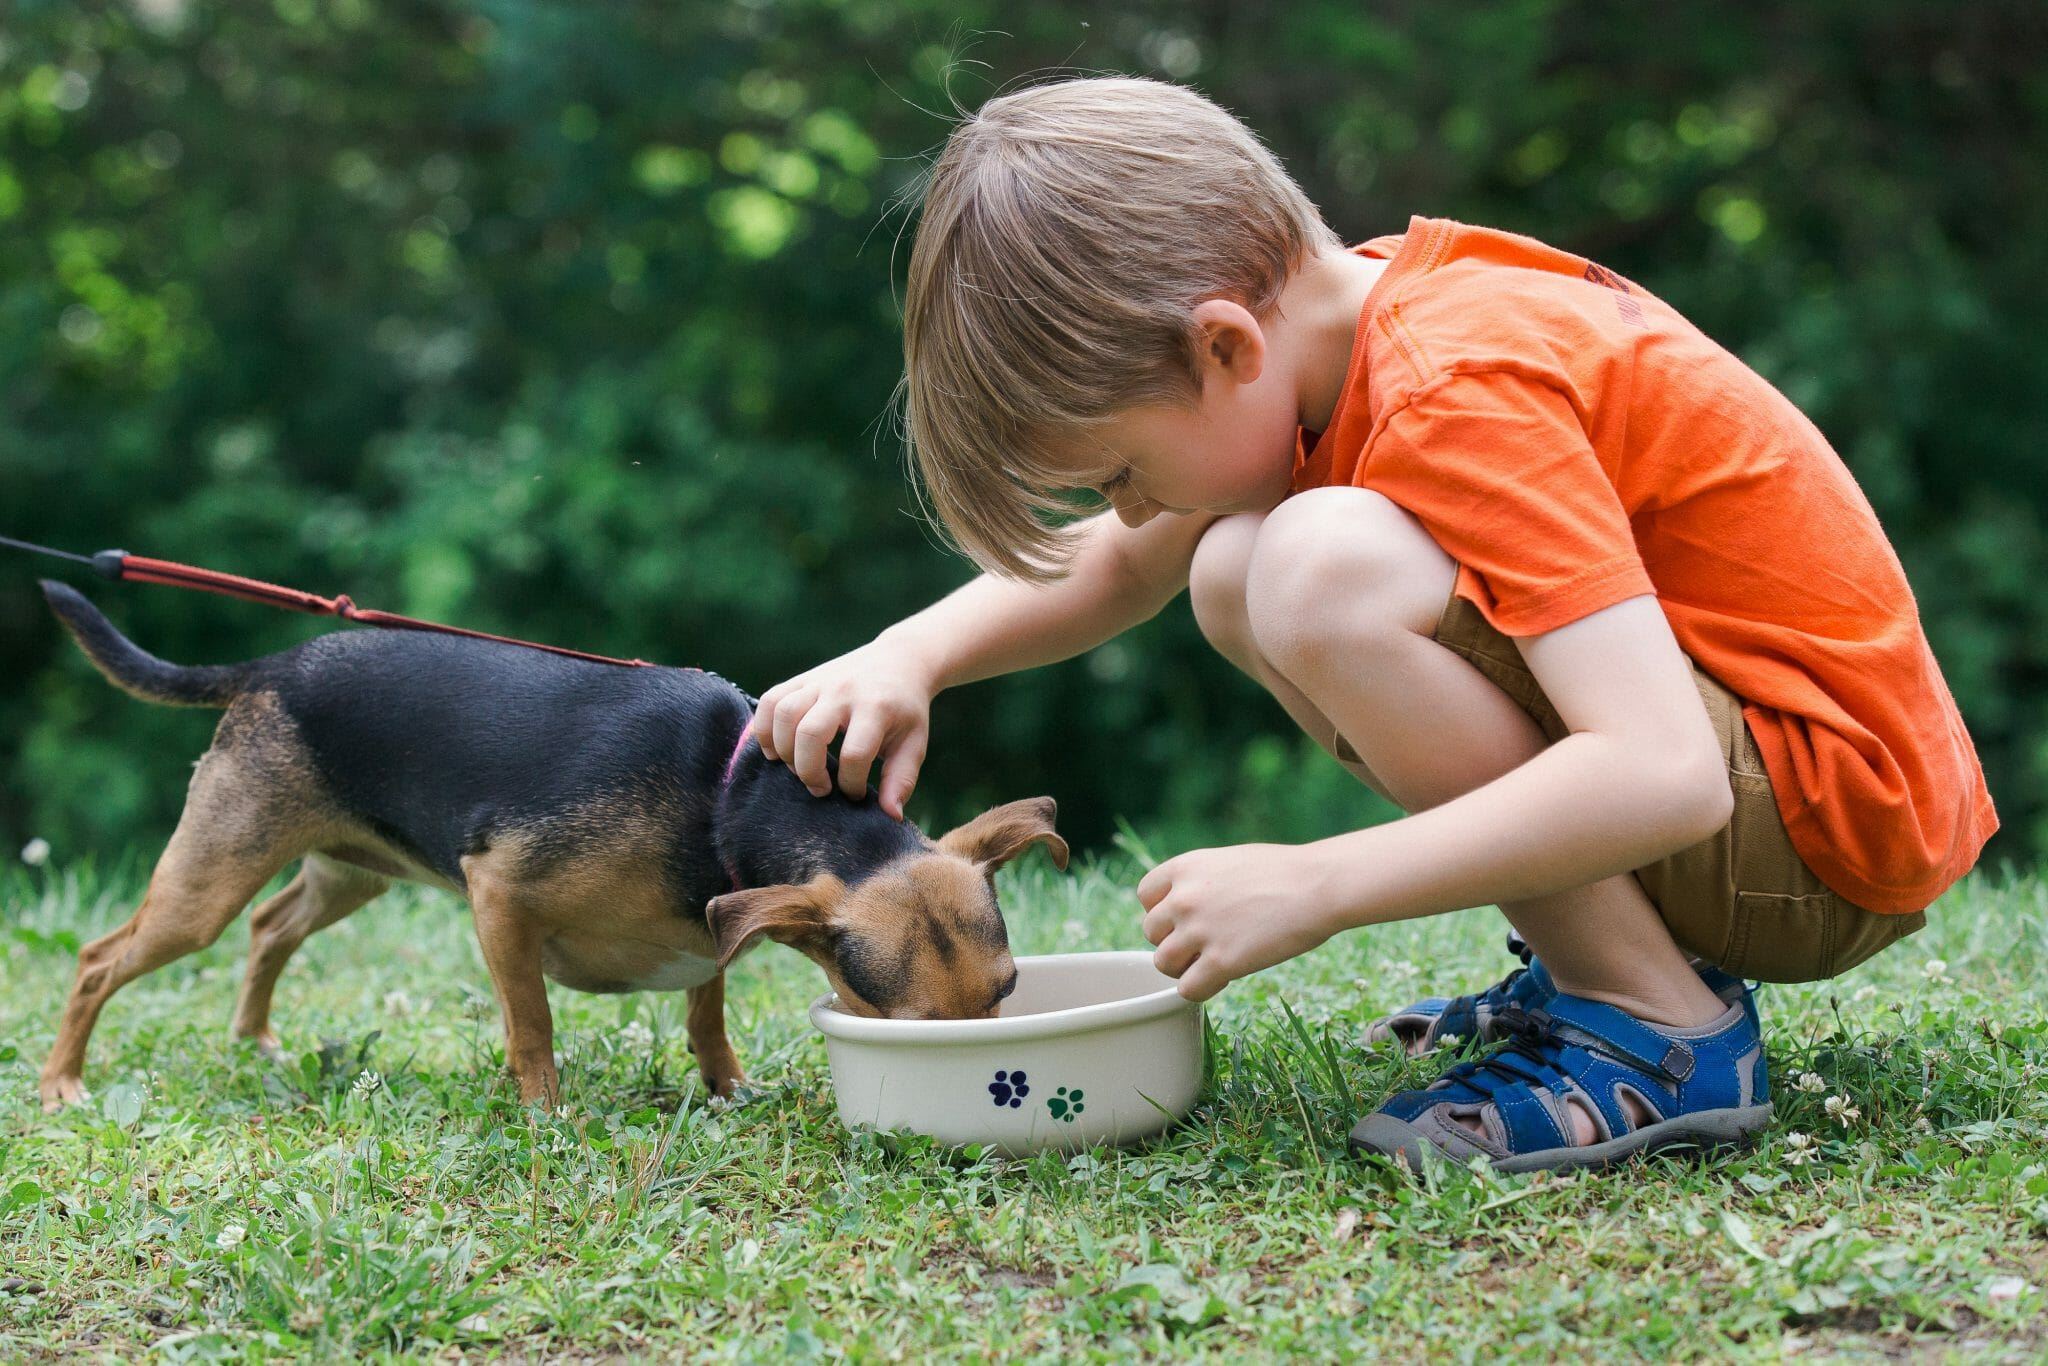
[(636, 1037), (1840, 1110), (367, 1083), (36, 852), (230, 1238), (2005, 1288), (1935, 969), (1936, 1055), (398, 1005), (1449, 1040), (1800, 1149), (1923, 1125), (1810, 1082), (1864, 993)]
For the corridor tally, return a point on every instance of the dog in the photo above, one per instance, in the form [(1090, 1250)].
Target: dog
[(613, 829)]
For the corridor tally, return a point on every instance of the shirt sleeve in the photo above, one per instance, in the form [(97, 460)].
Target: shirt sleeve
[(1498, 469)]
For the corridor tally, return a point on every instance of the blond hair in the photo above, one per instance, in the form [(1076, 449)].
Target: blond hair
[(1068, 231)]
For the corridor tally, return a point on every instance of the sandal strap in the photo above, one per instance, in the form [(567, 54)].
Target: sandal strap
[(1615, 1032), (1529, 1124)]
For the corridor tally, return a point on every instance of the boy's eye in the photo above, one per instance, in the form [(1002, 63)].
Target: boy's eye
[(1111, 487)]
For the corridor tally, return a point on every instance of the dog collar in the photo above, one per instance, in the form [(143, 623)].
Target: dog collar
[(732, 765), (739, 747)]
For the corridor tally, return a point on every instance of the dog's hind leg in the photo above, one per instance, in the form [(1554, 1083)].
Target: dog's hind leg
[(511, 938), (717, 1062), (233, 837), (325, 891)]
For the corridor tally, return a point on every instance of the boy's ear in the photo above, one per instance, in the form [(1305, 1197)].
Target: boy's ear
[(995, 837), (1230, 339), (792, 913)]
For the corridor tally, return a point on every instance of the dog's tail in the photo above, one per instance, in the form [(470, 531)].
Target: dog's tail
[(133, 669)]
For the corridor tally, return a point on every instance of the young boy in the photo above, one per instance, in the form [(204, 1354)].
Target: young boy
[(1520, 546)]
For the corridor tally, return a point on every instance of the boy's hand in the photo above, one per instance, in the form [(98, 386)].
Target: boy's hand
[(1216, 915), (880, 695)]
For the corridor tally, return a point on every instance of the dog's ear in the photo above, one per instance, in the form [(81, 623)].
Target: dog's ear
[(995, 837), (792, 913)]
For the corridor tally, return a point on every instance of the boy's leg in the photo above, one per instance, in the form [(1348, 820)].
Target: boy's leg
[(1216, 581), (1342, 590)]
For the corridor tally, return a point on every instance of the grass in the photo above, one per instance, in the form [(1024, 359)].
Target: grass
[(208, 1204)]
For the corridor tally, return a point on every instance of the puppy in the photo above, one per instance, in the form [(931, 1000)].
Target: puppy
[(615, 829)]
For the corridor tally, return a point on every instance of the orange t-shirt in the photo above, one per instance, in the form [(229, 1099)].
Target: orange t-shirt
[(1573, 442)]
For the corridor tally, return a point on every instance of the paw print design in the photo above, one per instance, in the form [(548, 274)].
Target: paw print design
[(1066, 1104), (1009, 1088)]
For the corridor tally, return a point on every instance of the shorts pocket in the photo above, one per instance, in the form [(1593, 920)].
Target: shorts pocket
[(1807, 938), (1778, 938)]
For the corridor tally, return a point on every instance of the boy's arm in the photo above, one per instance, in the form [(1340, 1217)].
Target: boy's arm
[(1640, 776), (880, 694)]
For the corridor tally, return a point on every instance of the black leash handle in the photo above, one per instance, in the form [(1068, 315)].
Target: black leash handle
[(107, 564)]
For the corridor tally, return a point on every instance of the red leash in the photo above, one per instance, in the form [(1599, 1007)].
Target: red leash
[(120, 566)]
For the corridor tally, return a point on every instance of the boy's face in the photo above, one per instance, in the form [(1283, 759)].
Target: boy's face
[(1232, 451)]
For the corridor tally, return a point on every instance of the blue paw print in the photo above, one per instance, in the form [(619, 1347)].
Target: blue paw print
[(1009, 1088)]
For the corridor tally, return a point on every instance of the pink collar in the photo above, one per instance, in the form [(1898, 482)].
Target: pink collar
[(732, 764), (739, 747)]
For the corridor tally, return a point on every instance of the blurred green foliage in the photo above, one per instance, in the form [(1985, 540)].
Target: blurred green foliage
[(578, 322)]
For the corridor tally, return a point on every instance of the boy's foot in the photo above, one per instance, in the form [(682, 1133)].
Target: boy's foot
[(1582, 1084), (1438, 1020)]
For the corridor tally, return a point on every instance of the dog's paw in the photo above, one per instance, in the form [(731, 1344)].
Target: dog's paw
[(735, 1088), (265, 1043), (59, 1092)]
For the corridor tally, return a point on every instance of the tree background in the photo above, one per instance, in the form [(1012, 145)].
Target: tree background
[(579, 322)]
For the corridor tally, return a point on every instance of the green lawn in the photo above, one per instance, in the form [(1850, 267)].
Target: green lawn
[(207, 1203)]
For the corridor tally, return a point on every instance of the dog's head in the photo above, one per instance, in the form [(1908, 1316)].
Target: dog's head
[(920, 938)]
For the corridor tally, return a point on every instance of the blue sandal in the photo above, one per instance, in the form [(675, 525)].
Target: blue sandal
[(1700, 1088), (1436, 1020)]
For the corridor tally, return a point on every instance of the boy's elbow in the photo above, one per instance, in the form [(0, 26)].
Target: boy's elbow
[(1699, 799)]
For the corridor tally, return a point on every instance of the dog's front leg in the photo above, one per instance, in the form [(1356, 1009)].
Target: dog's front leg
[(511, 944), (717, 1062)]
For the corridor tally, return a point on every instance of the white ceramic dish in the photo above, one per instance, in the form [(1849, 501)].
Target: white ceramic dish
[(1090, 1048)]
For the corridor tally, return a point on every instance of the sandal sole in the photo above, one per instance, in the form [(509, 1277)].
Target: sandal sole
[(1381, 1135)]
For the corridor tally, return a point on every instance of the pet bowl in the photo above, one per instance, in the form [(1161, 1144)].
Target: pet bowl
[(1090, 1048)]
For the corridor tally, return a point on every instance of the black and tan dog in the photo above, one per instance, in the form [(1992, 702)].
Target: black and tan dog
[(613, 829)]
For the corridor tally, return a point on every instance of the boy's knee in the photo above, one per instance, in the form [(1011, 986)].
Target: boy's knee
[(1342, 562), (1216, 580)]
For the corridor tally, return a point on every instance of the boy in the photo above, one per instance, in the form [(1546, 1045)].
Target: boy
[(1521, 547)]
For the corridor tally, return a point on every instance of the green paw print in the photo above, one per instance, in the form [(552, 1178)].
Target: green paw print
[(1066, 1104)]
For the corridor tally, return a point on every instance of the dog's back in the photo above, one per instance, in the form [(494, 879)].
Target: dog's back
[(436, 743)]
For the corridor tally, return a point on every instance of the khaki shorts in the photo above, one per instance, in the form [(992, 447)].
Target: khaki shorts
[(1742, 898)]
